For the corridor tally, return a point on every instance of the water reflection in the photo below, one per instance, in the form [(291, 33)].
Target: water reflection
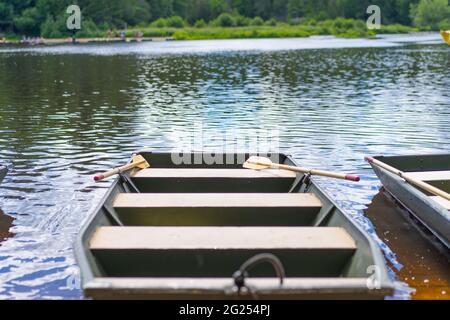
[(65, 116), (5, 225), (421, 264)]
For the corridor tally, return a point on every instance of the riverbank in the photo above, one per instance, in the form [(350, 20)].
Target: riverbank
[(344, 28), (351, 29), (56, 41)]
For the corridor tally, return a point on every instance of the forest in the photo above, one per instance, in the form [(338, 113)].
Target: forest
[(48, 17)]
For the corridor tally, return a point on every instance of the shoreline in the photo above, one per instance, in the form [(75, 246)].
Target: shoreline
[(115, 40), (337, 28), (59, 41)]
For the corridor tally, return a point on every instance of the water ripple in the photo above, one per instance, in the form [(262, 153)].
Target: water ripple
[(65, 116)]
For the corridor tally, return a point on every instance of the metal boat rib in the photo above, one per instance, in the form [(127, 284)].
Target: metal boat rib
[(182, 231)]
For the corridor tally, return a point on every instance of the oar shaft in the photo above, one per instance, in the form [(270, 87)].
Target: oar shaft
[(316, 172), (118, 170), (411, 180)]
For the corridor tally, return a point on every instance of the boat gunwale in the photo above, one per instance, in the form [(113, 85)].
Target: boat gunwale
[(223, 287), (89, 280)]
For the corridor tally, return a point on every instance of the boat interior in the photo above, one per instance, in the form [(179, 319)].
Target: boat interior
[(433, 169), (202, 220)]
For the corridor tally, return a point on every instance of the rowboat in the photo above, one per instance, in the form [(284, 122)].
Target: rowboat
[(446, 36), (3, 172), (429, 209), (189, 229)]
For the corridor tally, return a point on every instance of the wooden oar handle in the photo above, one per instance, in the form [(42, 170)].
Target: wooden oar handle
[(115, 171), (384, 165), (323, 173), (107, 174), (351, 177), (336, 175)]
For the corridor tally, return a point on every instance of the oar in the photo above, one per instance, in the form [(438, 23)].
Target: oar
[(409, 179), (258, 163), (138, 161)]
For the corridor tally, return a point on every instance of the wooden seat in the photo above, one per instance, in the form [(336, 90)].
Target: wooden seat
[(225, 209), (219, 251), (430, 175), (213, 180), (443, 202), (213, 173)]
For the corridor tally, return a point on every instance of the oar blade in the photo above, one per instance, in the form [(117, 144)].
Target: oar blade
[(257, 163), (249, 165), (142, 163)]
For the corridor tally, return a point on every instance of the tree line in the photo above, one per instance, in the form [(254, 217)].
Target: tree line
[(42, 17)]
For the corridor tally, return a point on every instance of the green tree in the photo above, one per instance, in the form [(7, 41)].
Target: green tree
[(217, 7), (32, 17), (198, 9), (388, 10), (181, 8), (402, 9), (355, 9), (135, 11), (263, 9), (200, 23), (176, 22), (430, 13), (161, 8), (257, 21), (28, 22), (6, 16), (296, 9), (244, 7), (54, 28), (225, 20), (279, 9)]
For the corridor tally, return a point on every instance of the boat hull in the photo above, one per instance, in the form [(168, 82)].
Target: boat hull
[(431, 214), (324, 274)]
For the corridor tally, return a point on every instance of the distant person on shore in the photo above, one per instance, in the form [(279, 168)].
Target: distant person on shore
[(123, 36), (73, 37)]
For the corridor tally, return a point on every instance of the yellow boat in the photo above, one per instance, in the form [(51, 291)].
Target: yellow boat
[(446, 36)]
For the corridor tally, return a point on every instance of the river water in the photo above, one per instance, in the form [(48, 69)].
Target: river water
[(67, 112)]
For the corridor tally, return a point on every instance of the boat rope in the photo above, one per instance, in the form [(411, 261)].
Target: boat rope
[(240, 275)]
